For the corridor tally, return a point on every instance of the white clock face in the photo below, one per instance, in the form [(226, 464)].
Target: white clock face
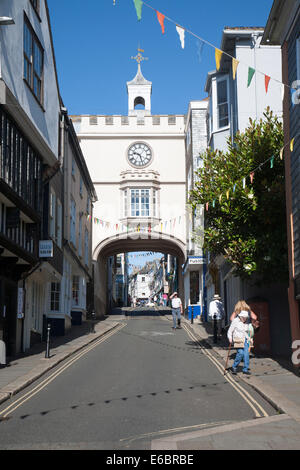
[(139, 155)]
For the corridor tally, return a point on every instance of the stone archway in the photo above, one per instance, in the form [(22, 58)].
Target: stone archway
[(135, 241)]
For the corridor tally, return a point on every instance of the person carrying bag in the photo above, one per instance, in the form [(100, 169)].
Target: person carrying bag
[(240, 334)]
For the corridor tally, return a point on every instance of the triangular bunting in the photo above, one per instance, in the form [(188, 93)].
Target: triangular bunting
[(251, 73), (235, 64), (138, 6), (181, 33), (267, 81), (292, 144), (161, 19), (218, 56)]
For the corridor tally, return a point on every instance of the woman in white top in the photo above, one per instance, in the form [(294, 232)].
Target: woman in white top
[(239, 333), (176, 309)]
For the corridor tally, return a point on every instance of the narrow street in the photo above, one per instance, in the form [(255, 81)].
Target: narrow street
[(139, 383)]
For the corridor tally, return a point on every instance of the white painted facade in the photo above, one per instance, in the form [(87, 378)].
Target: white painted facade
[(242, 102), (105, 143), (196, 144)]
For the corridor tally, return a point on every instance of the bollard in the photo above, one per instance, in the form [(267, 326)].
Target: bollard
[(192, 315), (215, 329), (93, 322), (47, 354)]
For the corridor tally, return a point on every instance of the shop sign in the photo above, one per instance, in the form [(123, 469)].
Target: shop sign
[(46, 249)]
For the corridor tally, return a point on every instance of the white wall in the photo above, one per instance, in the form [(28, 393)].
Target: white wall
[(105, 151), (253, 101)]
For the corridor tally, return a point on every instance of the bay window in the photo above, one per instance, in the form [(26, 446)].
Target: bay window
[(140, 202), (33, 61), (222, 103)]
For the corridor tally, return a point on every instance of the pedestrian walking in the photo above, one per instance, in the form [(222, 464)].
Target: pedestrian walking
[(240, 334), (165, 299), (176, 309), (217, 313), (252, 317)]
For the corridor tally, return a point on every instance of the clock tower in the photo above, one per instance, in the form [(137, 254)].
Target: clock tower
[(139, 92)]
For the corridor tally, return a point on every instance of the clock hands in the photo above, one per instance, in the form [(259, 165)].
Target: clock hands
[(135, 153)]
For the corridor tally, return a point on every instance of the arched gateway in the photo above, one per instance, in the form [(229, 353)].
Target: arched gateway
[(138, 168), (135, 241)]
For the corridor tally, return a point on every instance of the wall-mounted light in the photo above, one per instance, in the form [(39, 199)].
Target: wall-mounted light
[(4, 20)]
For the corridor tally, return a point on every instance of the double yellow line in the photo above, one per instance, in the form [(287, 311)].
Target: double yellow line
[(20, 401), (256, 407)]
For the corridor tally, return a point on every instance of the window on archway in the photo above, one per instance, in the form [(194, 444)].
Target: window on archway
[(139, 103)]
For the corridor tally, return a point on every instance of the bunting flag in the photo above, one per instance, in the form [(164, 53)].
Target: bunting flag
[(218, 56), (244, 183), (272, 161), (267, 81), (161, 19), (251, 73), (218, 52), (138, 6), (200, 45), (181, 33), (227, 194), (235, 64), (292, 145), (251, 176), (281, 153)]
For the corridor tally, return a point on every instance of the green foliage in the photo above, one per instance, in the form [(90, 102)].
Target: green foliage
[(246, 225)]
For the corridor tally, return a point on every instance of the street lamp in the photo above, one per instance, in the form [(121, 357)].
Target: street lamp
[(4, 20)]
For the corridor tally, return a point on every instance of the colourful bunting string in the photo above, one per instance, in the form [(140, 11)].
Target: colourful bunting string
[(138, 6), (218, 52), (161, 19), (218, 56), (271, 160), (251, 73), (235, 64), (292, 145), (267, 81), (181, 33)]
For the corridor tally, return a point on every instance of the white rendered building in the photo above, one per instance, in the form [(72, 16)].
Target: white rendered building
[(137, 165)]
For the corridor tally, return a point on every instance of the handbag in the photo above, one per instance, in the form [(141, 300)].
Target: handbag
[(239, 344)]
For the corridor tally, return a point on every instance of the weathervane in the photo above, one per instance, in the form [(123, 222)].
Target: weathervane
[(139, 58)]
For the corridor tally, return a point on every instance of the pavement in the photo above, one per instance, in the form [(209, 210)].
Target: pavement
[(274, 379)]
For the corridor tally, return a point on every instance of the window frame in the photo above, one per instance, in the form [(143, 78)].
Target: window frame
[(73, 222), (75, 290), (30, 72), (218, 81), (55, 296), (137, 207), (36, 6), (52, 216)]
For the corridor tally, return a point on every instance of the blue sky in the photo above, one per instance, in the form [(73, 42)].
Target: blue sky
[(94, 41)]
